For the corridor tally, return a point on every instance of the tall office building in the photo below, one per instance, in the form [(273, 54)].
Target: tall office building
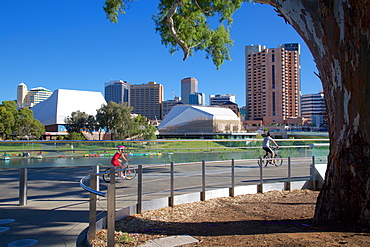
[(219, 99), (188, 86), (27, 99), (117, 91), (146, 100), (197, 99), (313, 108), (273, 84)]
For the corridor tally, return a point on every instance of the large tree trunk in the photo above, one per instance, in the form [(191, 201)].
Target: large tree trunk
[(337, 33)]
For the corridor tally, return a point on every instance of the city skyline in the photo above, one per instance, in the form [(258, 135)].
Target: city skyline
[(63, 46)]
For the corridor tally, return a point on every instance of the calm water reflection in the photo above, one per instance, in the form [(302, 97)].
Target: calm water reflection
[(167, 158), (19, 162)]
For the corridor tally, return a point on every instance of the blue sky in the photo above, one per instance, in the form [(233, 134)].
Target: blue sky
[(69, 44)]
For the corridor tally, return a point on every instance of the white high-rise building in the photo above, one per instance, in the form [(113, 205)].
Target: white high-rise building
[(27, 99), (215, 100), (21, 93)]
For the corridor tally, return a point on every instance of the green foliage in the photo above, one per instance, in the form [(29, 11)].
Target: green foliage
[(187, 25), (75, 136), (28, 126), (258, 136), (76, 122), (117, 118), (7, 122), (252, 153), (20, 123), (113, 8), (124, 238), (192, 25)]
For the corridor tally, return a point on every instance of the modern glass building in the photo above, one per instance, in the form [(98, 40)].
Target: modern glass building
[(313, 108), (197, 99), (117, 91)]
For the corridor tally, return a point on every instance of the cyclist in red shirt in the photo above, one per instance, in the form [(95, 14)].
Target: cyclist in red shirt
[(116, 160)]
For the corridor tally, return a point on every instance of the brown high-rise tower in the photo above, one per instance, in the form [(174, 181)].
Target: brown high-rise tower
[(272, 83)]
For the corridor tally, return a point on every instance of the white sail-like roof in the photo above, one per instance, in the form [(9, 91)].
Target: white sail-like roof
[(183, 114), (63, 102)]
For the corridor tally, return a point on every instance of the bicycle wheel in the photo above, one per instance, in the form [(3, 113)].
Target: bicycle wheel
[(264, 160), (278, 160), (129, 173), (106, 176)]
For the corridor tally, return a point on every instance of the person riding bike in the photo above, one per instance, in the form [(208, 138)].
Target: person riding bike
[(266, 146), (116, 160)]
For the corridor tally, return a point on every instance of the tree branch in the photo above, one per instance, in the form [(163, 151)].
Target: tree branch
[(169, 20), (196, 3)]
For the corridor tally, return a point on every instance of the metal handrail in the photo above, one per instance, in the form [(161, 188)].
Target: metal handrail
[(87, 188), (96, 192), (99, 193)]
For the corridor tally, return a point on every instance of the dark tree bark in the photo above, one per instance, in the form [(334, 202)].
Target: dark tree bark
[(337, 33)]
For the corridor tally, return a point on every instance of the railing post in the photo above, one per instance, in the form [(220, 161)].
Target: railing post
[(203, 192), (232, 192), (96, 169), (139, 190), (111, 201), (288, 183), (260, 185), (92, 212), (23, 186), (172, 187), (313, 174)]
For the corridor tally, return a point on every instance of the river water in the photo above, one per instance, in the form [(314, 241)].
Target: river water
[(69, 161), (166, 158)]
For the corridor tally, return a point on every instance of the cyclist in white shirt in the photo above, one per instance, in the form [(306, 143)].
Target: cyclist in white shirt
[(266, 146)]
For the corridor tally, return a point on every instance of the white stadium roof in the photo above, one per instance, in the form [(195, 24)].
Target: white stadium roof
[(182, 114), (63, 102)]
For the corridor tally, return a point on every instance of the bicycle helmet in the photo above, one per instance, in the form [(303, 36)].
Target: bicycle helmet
[(121, 147)]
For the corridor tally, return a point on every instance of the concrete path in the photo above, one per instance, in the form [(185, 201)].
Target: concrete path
[(56, 211)]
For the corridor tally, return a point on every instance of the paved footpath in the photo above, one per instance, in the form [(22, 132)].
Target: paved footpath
[(56, 211)]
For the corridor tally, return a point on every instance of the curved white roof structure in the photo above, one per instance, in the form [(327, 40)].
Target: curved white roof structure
[(186, 115), (63, 102)]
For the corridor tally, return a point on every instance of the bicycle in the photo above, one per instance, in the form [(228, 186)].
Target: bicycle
[(266, 159), (128, 173)]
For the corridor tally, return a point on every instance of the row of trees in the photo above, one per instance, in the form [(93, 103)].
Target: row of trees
[(113, 117), (18, 124)]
